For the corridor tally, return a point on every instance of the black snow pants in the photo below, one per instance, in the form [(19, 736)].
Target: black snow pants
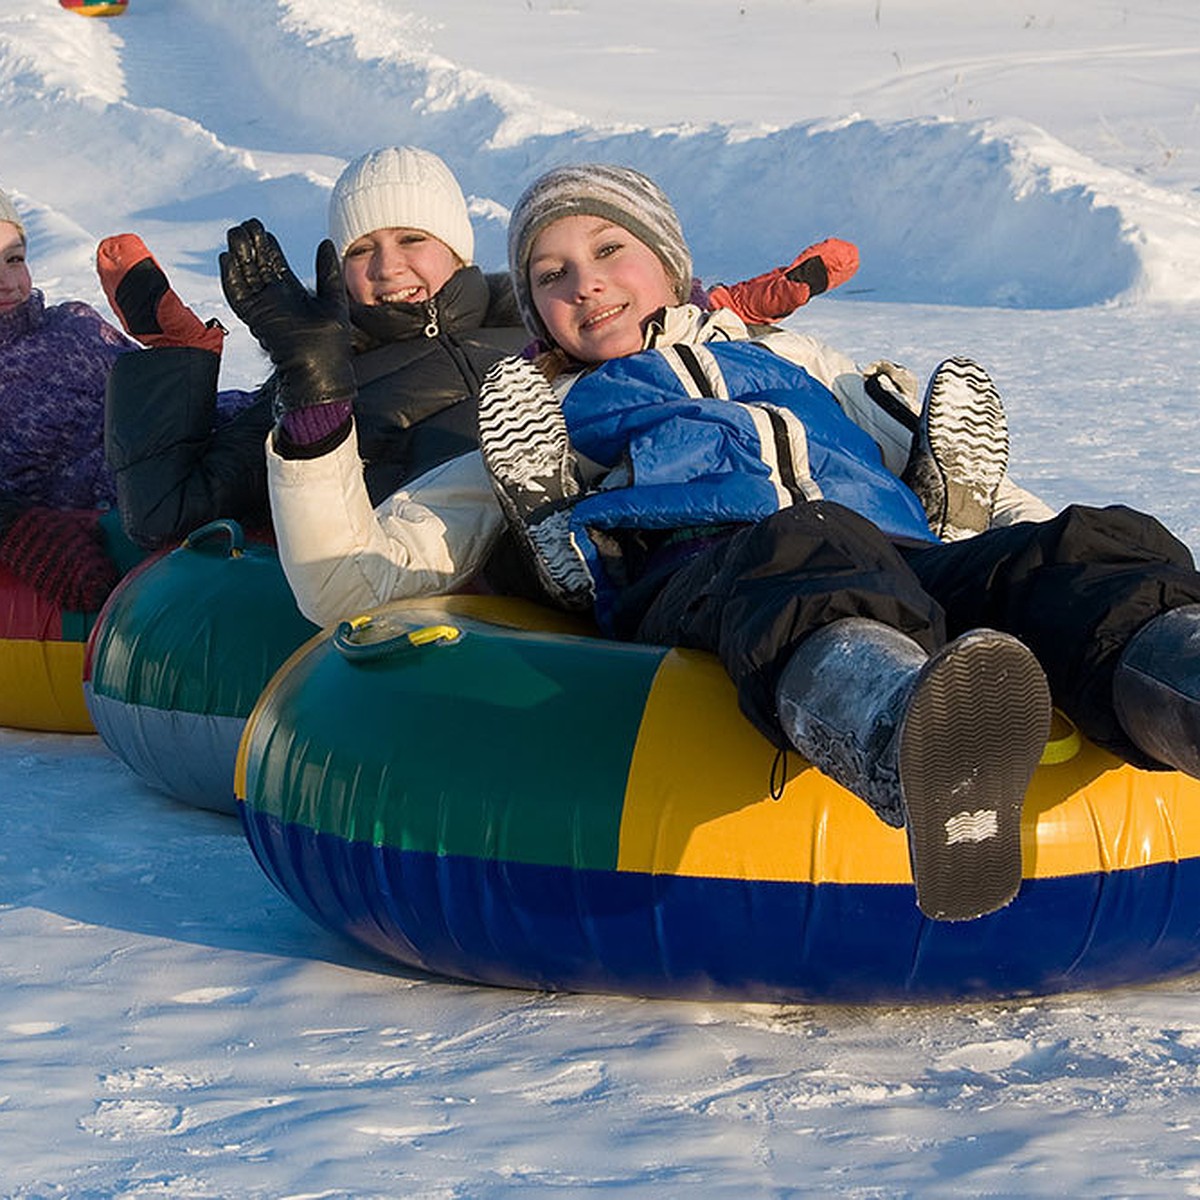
[(1074, 589)]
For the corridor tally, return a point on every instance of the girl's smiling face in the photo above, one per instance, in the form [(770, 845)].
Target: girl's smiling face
[(389, 265), (594, 285), (15, 282)]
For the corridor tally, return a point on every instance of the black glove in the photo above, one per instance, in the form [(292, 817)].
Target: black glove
[(307, 336)]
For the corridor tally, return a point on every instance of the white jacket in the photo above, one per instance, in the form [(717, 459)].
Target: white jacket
[(341, 557)]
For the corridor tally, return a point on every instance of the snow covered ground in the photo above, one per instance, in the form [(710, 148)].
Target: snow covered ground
[(1023, 180)]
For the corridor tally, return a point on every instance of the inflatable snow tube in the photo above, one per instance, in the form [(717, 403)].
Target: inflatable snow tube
[(43, 649), (96, 8), (41, 661), (180, 654), (457, 786)]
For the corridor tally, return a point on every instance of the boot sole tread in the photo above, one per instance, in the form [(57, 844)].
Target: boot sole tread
[(967, 433), (972, 737)]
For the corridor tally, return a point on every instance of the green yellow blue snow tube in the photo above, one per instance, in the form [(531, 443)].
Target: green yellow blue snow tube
[(476, 788)]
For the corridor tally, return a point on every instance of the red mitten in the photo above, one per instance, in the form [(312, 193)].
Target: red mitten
[(138, 291), (60, 553), (777, 294)]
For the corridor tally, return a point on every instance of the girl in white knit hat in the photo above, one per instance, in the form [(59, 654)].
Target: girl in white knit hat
[(421, 324), (399, 222)]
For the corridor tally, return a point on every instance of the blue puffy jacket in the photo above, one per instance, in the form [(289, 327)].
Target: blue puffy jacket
[(719, 433)]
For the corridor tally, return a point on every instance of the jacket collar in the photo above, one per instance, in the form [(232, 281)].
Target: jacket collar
[(689, 325), (685, 324), (461, 304)]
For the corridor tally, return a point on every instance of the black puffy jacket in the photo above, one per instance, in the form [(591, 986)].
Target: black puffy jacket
[(418, 368)]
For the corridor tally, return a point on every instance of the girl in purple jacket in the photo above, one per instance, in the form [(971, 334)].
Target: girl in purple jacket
[(54, 363)]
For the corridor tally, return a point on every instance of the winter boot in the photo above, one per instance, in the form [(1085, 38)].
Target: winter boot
[(943, 744), (147, 307), (525, 447), (1156, 689), (960, 451)]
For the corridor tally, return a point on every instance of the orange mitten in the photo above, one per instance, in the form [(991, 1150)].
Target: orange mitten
[(778, 293), (149, 310)]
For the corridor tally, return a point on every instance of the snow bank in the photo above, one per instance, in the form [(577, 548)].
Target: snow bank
[(988, 213)]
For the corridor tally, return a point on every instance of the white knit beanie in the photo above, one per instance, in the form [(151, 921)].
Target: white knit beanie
[(618, 194), (9, 213), (400, 187)]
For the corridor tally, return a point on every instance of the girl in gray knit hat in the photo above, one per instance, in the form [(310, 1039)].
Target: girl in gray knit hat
[(688, 485), (695, 489)]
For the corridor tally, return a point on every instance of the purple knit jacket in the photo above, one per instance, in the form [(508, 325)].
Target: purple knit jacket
[(54, 363)]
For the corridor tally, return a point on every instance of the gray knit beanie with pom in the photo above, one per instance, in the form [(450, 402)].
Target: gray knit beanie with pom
[(618, 194)]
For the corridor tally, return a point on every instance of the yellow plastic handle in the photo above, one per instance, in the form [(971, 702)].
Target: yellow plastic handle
[(350, 638), (1064, 743)]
